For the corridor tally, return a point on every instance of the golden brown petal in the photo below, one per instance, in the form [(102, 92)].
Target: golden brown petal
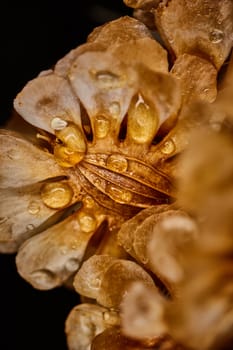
[(105, 86), (48, 103), (126, 233), (144, 4), (100, 285), (198, 78), (88, 280), (121, 30), (113, 290), (22, 214), (51, 257), (197, 27), (22, 163), (84, 322), (146, 51)]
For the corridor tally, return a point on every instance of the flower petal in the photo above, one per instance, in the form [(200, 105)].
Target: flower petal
[(201, 27), (63, 66), (50, 258), (146, 51), (45, 98), (22, 163), (85, 321), (22, 214), (105, 86), (198, 78), (121, 30)]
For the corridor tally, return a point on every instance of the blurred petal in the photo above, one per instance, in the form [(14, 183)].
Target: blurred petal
[(51, 257), (22, 163), (142, 313), (46, 99), (202, 27), (84, 322)]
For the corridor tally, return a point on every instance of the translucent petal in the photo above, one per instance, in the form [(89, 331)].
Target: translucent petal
[(105, 86), (88, 279), (22, 163), (63, 66), (45, 98)]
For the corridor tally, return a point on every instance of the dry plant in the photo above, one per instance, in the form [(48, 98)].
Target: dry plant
[(123, 187)]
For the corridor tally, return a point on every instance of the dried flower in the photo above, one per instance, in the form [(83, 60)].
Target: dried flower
[(95, 191)]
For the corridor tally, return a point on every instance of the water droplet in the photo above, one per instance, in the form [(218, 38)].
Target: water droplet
[(117, 162), (97, 182), (72, 264), (3, 219), (118, 194), (168, 147), (107, 79), (216, 36), (142, 121), (30, 227), (56, 195), (58, 123), (115, 108), (101, 127), (33, 207), (87, 222)]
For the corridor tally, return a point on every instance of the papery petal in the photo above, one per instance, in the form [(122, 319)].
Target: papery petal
[(100, 285), (105, 86), (112, 290), (146, 51), (127, 230), (85, 321), (201, 27), (22, 214), (63, 66), (50, 258), (198, 78), (22, 163), (121, 30), (156, 104), (45, 98), (88, 279)]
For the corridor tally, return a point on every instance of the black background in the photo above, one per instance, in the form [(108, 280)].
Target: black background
[(33, 37)]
